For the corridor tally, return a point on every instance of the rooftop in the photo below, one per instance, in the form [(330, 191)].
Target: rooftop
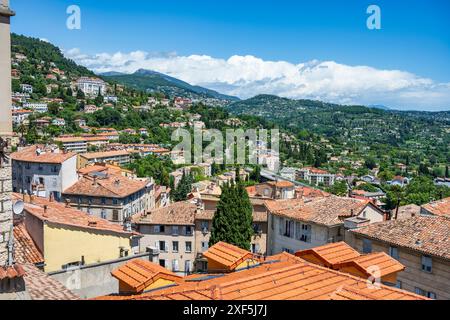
[(331, 254), (41, 154), (227, 255), (365, 263), (424, 234), (25, 250), (178, 213), (110, 186), (328, 211), (438, 208), (60, 214), (139, 274), (41, 286), (281, 277), (106, 154)]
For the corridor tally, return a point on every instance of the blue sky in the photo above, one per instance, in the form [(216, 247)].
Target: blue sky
[(414, 38)]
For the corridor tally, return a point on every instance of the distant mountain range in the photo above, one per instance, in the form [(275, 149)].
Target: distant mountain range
[(152, 81)]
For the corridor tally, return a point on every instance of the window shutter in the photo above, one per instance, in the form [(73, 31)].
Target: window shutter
[(166, 247)]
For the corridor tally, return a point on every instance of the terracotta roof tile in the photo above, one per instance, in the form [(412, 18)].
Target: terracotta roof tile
[(227, 255), (111, 185), (25, 250), (438, 208), (425, 234), (328, 211), (281, 277), (11, 272), (41, 286), (139, 274), (331, 254), (385, 264), (29, 154), (58, 213), (178, 213)]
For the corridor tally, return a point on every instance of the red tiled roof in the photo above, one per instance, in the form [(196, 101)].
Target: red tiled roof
[(25, 250), (107, 154), (227, 255), (425, 234), (327, 211), (41, 286), (287, 278), (112, 186), (29, 155), (139, 274), (438, 208), (178, 213), (331, 254), (366, 263), (281, 184), (11, 272), (58, 213)]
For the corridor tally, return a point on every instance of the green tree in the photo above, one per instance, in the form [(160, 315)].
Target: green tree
[(80, 95), (256, 174), (233, 220)]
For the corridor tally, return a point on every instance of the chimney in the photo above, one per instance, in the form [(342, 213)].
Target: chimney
[(45, 212)]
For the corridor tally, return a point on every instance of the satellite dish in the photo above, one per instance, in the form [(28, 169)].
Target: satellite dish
[(18, 207)]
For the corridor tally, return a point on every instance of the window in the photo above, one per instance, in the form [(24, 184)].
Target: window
[(103, 214), (115, 215), (204, 225), (288, 250), (425, 293), (187, 267), (399, 284), (162, 246), (175, 230), (289, 229), (175, 267), (115, 202), (54, 169), (393, 252), (103, 200), (303, 232), (189, 231), (256, 228), (175, 246), (427, 264), (188, 246), (367, 246), (255, 248), (162, 263), (159, 229), (205, 245)]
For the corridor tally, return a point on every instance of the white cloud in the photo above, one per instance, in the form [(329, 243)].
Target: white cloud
[(247, 76)]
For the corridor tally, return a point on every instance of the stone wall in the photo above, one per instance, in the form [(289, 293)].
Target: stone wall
[(5, 211)]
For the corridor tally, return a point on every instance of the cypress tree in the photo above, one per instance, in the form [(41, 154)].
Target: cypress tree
[(232, 222)]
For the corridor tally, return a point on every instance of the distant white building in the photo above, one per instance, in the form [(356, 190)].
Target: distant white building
[(111, 99), (59, 122), (91, 86), (36, 107), (316, 176), (19, 116), (289, 173)]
